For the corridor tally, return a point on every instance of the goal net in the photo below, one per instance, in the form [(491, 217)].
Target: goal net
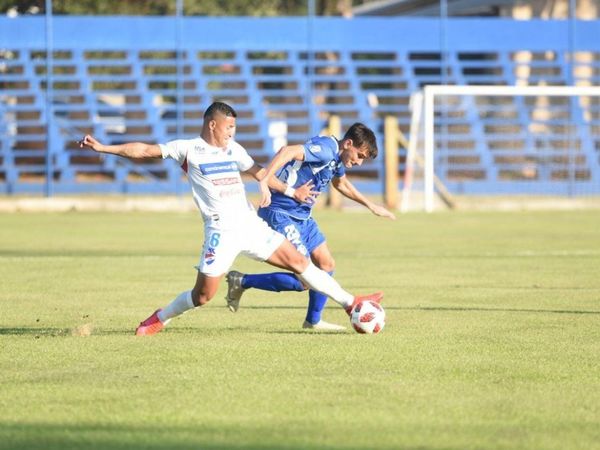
[(535, 141)]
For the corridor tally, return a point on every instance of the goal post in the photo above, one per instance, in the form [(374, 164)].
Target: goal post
[(552, 131)]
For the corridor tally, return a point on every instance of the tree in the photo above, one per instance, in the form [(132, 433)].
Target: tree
[(161, 7)]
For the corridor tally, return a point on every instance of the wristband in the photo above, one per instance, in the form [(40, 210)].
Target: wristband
[(289, 191)]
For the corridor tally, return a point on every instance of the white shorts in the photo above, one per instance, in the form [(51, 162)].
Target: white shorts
[(253, 238)]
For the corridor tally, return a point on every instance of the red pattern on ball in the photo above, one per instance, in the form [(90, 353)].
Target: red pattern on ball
[(367, 317)]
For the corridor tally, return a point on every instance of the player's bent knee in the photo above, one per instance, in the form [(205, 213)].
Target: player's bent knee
[(327, 266), (299, 265), (287, 257)]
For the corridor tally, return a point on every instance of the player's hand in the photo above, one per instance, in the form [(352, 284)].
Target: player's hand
[(382, 212), (90, 142), (266, 194), (305, 193)]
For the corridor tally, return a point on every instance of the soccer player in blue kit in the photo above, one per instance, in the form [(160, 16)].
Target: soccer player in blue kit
[(307, 171), (213, 162)]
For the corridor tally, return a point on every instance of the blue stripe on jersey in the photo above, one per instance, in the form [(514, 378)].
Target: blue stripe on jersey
[(321, 164), (218, 167)]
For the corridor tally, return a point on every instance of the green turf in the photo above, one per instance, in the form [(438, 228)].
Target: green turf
[(492, 340)]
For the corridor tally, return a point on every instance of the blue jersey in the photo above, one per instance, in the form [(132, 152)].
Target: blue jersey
[(321, 163)]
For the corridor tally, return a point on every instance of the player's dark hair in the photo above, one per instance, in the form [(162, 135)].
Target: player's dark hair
[(362, 135), (219, 107)]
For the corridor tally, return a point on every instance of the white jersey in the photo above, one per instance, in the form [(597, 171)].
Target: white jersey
[(214, 175)]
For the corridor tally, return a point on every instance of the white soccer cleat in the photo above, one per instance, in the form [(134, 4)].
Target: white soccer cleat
[(321, 325), (234, 290)]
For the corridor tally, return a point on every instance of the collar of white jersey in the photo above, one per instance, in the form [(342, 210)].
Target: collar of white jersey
[(213, 149)]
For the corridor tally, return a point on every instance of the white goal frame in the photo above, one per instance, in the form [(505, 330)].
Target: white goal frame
[(431, 91)]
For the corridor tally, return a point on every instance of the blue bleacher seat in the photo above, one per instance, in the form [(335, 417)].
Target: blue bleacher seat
[(136, 85)]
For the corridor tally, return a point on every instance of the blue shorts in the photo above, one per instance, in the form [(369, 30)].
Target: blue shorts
[(303, 233)]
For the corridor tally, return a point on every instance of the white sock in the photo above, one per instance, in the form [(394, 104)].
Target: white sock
[(321, 281), (182, 303)]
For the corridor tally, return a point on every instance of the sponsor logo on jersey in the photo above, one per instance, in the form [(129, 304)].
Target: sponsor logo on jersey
[(314, 148), (225, 181), (230, 192), (209, 256), (317, 169), (218, 167)]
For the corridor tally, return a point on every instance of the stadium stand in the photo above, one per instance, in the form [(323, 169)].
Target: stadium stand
[(125, 79)]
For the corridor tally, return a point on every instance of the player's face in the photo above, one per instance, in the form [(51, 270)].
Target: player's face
[(351, 155), (222, 130)]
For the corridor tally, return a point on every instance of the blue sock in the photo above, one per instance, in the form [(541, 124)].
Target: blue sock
[(316, 303), (276, 282)]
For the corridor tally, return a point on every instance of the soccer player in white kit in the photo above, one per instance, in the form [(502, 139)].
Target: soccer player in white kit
[(213, 162)]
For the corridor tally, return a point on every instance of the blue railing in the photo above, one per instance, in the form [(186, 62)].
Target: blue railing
[(143, 78)]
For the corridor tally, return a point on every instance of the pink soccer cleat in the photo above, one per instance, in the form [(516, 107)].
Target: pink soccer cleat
[(150, 326), (375, 297)]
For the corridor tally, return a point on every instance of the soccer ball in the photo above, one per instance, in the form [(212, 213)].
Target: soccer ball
[(367, 317)]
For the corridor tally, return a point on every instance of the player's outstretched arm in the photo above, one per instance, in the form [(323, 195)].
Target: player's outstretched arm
[(348, 190), (134, 150), (283, 156)]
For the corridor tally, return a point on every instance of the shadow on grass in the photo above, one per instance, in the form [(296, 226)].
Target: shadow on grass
[(346, 332), (517, 310), (60, 332), (452, 308), (38, 332), (24, 331), (33, 436), (45, 332)]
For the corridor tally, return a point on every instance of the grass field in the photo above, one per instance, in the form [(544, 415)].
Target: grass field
[(492, 338)]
